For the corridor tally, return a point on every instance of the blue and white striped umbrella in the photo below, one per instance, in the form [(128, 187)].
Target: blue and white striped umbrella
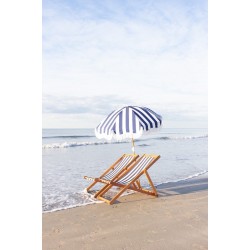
[(128, 122)]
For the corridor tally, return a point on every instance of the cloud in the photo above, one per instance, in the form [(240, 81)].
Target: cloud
[(98, 105), (100, 54)]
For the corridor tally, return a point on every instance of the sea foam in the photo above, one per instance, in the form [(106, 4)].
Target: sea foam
[(77, 144)]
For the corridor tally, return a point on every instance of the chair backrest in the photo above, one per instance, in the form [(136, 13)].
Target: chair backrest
[(125, 161), (143, 163)]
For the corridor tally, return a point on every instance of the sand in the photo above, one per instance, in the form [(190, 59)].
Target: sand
[(176, 220)]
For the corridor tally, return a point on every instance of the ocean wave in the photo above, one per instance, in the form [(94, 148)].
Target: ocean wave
[(67, 136), (181, 137), (143, 145), (76, 144)]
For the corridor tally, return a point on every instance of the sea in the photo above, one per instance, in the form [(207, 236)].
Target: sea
[(69, 154)]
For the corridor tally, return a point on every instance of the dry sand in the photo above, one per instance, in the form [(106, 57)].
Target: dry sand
[(176, 220)]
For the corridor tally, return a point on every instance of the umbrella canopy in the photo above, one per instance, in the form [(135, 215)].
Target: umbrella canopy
[(128, 122)]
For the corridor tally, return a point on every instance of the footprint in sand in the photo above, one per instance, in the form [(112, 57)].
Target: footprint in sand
[(57, 230)]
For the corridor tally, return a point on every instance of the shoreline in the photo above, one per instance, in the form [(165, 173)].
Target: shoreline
[(177, 219), (195, 176)]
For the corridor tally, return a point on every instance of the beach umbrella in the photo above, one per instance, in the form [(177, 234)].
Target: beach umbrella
[(128, 122)]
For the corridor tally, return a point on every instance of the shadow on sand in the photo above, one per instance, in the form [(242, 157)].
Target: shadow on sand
[(174, 188), (183, 187)]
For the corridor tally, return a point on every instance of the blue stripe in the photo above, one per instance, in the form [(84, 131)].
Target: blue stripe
[(157, 116), (123, 163), (103, 123), (127, 119), (147, 112), (103, 126), (141, 125), (120, 123), (133, 121), (151, 124), (139, 166), (147, 119), (111, 122), (114, 129), (142, 120)]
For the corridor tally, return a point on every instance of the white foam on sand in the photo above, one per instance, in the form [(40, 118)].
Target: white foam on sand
[(87, 198)]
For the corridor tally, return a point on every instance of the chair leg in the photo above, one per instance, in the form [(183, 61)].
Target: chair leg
[(130, 185), (118, 195), (138, 183), (151, 183), (103, 199), (126, 187), (91, 185), (103, 190)]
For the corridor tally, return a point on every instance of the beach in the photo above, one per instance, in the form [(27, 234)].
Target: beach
[(177, 219), (69, 154)]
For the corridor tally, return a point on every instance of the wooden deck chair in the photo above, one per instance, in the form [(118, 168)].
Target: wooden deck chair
[(114, 170), (129, 179)]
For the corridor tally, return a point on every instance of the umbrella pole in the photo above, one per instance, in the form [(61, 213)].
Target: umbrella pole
[(133, 145), (133, 149)]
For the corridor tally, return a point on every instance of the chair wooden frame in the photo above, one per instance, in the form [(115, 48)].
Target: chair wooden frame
[(110, 169), (134, 184)]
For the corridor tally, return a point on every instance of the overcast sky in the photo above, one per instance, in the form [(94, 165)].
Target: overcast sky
[(101, 55)]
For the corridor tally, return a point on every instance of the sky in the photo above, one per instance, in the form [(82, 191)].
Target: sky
[(99, 56)]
